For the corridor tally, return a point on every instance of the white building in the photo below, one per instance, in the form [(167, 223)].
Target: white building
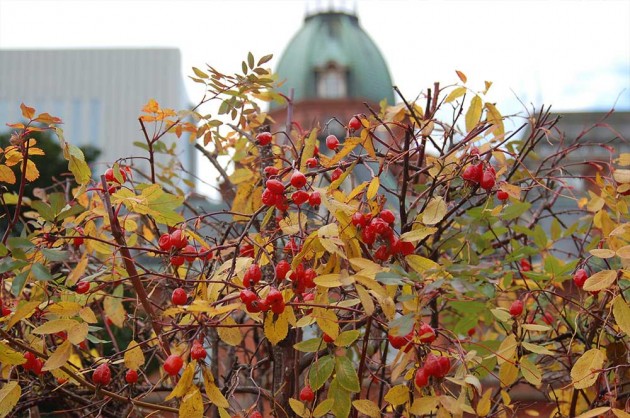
[(98, 93)]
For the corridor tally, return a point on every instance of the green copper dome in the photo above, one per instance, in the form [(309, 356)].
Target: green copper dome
[(332, 57)]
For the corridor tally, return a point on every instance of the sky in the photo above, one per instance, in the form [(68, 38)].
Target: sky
[(574, 55)]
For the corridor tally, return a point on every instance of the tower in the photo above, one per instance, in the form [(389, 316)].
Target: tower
[(333, 68)]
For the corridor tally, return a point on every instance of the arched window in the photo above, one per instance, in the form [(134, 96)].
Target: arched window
[(331, 82)]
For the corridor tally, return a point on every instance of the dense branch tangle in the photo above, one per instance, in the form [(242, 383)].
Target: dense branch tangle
[(375, 277)]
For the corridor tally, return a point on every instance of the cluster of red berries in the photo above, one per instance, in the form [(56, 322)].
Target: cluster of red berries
[(477, 174), (33, 363), (434, 366), (197, 352), (254, 304), (102, 375), (426, 335), (302, 278), (274, 193), (380, 228), (177, 243)]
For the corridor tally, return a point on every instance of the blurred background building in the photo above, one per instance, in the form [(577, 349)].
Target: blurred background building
[(98, 93)]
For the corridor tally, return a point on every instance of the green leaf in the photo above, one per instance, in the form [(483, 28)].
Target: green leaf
[(347, 374), (320, 371), (514, 210), (55, 255), (40, 272), (323, 408), (347, 338), (264, 59), (310, 346), (342, 399)]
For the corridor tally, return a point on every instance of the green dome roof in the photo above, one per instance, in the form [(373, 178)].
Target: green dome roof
[(334, 40)]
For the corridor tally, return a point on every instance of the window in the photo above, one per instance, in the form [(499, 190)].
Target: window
[(331, 83)]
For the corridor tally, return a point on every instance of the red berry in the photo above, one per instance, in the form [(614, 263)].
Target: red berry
[(274, 296), (109, 175), (173, 364), (306, 394), (78, 240), (177, 260), (247, 296), (278, 308), (291, 247), (298, 180), (422, 379), (427, 334), (247, 250), (487, 180), (473, 173), (315, 199), (382, 253), (337, 172), (474, 151), (197, 352), (165, 243), (471, 332), (253, 274), (263, 138), (282, 268), (525, 265), (271, 171), (300, 197), (131, 376), (432, 366), (102, 375), (399, 342), (311, 162), (332, 142), (205, 254), (269, 198), (82, 287), (30, 361), (179, 296), (547, 318), (405, 248), (580, 277), (309, 277), (445, 365), (368, 236), (358, 219), (255, 414), (502, 195), (178, 239), (388, 216), (516, 308), (275, 186), (327, 338), (354, 124), (189, 253)]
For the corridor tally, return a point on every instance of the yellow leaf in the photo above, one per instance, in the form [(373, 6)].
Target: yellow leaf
[(134, 357), (366, 299), (298, 407), (78, 333), (27, 112), (586, 369), (213, 392), (507, 349), (474, 113), (458, 92), (323, 408), (9, 397), (114, 310), (373, 188), (7, 175), (620, 414), (9, 356), (184, 384), (602, 253), (424, 405), (309, 149), (230, 335), (24, 310), (397, 395), (600, 280), (327, 321), (508, 373), (367, 407), (192, 404), (623, 252), (434, 212), (421, 264), (87, 314), (621, 311), (64, 309), (276, 330), (594, 412), (531, 372), (32, 173), (495, 118), (52, 327), (59, 357), (328, 280), (418, 233), (483, 407)]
